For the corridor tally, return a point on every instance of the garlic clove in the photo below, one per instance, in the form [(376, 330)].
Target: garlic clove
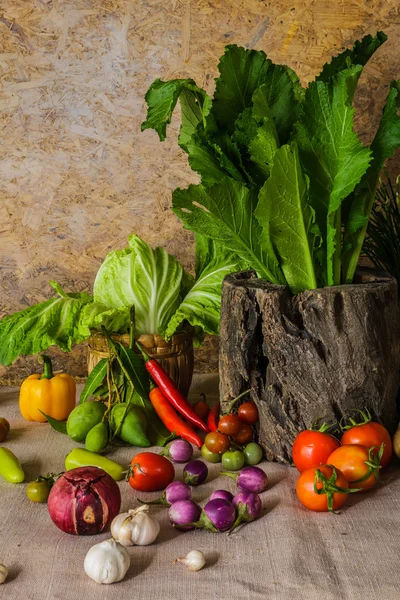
[(194, 560), (135, 527), (3, 573)]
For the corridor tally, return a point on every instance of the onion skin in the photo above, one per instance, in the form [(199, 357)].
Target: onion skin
[(84, 501)]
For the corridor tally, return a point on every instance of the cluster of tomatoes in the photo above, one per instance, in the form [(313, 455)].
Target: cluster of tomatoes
[(232, 442), (331, 469)]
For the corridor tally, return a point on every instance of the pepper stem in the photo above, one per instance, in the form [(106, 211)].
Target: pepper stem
[(47, 366), (144, 354)]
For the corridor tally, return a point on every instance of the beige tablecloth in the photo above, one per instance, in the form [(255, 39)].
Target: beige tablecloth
[(288, 554)]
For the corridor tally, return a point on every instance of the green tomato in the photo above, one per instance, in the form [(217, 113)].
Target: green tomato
[(233, 460), (38, 491), (252, 454), (210, 457)]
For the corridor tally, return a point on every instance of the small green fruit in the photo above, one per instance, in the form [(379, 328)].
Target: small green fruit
[(83, 418), (134, 425), (97, 438)]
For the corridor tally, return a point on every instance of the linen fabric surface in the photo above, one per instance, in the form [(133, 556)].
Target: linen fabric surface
[(290, 553)]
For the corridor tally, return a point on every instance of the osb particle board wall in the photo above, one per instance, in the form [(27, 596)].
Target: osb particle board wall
[(76, 174)]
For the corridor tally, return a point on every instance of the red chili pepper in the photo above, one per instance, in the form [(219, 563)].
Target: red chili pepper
[(171, 392), (213, 417), (171, 420)]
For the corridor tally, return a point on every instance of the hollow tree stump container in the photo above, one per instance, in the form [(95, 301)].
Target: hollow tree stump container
[(317, 354)]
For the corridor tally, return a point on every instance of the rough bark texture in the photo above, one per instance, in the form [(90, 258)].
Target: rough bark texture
[(317, 354)]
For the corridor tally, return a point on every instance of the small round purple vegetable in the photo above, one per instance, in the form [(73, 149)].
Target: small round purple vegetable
[(217, 515), (250, 479), (179, 451), (195, 472), (224, 494), (248, 505), (177, 490), (183, 514)]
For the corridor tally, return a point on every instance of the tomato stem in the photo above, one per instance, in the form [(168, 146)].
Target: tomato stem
[(233, 402), (329, 487), (366, 418)]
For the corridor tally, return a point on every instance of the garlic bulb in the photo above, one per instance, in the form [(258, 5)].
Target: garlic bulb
[(135, 527), (3, 573), (194, 560), (107, 562)]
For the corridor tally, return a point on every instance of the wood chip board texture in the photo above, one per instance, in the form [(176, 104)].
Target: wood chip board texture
[(77, 176)]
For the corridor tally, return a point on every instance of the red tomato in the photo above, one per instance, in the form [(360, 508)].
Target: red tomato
[(217, 442), (248, 413), (229, 424), (330, 499), (150, 472), (245, 434), (312, 448), (352, 461), (369, 435), (201, 409)]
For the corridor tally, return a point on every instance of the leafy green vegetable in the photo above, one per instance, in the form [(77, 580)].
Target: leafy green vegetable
[(201, 306), (148, 279), (224, 212), (55, 322), (332, 156), (287, 219), (96, 314), (162, 98), (244, 148)]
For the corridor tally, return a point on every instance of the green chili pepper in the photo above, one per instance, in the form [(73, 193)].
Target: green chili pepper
[(79, 457), (10, 467)]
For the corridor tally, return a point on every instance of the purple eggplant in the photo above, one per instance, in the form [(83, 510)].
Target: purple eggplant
[(177, 490), (217, 515), (248, 506), (183, 514), (180, 451), (195, 472), (224, 494), (250, 479)]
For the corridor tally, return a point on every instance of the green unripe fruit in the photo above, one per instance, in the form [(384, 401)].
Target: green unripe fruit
[(83, 418), (134, 425), (97, 438)]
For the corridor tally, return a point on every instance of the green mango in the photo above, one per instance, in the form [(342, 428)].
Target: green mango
[(83, 418), (97, 438), (134, 425)]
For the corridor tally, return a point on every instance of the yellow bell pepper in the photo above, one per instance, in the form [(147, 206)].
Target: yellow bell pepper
[(54, 395)]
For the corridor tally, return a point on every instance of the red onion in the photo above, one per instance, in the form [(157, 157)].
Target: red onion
[(84, 501), (179, 451), (195, 472), (183, 514)]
